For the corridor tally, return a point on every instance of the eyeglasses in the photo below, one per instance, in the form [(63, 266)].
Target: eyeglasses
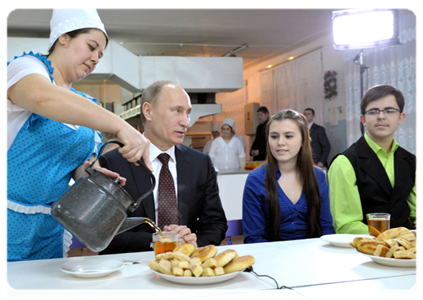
[(390, 111)]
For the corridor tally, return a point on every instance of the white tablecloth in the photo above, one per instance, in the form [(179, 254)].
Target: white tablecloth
[(298, 265)]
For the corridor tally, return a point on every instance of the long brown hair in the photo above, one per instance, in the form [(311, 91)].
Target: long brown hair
[(308, 176)]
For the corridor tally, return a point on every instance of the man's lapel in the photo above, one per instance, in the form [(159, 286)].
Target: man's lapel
[(184, 171)]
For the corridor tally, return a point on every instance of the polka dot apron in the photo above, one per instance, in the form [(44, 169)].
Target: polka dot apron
[(40, 163)]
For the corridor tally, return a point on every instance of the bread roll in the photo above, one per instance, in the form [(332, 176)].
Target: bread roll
[(153, 265), (369, 247), (177, 271), (174, 262), (180, 256), (207, 272), (381, 251), (404, 254), (409, 236), (392, 233), (167, 255), (165, 267), (210, 263), (391, 243), (195, 260), (403, 242), (391, 251), (196, 270), (239, 264), (219, 271), (205, 253), (186, 249), (184, 265), (223, 258)]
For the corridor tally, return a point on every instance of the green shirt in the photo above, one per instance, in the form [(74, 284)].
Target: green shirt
[(345, 203)]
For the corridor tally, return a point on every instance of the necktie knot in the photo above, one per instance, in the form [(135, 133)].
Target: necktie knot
[(164, 158)]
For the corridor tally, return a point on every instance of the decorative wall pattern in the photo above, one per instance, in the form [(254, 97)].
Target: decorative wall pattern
[(296, 84)]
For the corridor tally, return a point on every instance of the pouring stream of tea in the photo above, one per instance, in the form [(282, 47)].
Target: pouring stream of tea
[(151, 223)]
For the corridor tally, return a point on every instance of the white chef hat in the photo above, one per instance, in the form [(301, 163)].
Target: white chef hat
[(215, 127), (67, 20), (229, 122)]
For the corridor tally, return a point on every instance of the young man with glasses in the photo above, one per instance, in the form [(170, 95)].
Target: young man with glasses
[(374, 174)]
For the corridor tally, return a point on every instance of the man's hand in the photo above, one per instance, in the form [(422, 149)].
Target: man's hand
[(184, 234)]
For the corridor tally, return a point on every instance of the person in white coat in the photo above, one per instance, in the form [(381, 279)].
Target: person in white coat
[(215, 134), (227, 152)]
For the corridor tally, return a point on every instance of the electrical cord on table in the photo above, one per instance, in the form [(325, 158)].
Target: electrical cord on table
[(250, 270)]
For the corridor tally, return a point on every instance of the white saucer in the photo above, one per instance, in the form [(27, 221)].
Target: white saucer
[(90, 268), (341, 239)]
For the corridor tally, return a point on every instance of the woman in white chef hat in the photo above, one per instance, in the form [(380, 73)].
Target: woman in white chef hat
[(226, 151), (52, 131)]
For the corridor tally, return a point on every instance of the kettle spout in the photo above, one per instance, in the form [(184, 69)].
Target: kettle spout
[(130, 223)]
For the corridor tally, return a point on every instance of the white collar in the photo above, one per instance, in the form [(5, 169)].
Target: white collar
[(154, 152)]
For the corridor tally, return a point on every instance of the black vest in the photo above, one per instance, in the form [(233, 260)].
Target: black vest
[(376, 192)]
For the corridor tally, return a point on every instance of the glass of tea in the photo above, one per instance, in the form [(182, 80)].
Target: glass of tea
[(164, 241), (378, 223)]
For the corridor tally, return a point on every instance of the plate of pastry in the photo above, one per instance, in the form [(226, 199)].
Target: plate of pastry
[(393, 262), (341, 239), (199, 266)]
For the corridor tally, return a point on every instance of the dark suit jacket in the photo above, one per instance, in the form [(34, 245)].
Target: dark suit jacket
[(319, 144), (260, 142), (199, 204)]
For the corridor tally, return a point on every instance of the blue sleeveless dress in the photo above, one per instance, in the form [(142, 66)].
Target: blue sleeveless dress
[(40, 164)]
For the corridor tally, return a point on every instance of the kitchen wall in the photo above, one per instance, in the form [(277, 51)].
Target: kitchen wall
[(233, 103), (334, 113)]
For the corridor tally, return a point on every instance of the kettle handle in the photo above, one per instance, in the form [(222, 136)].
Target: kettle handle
[(135, 205)]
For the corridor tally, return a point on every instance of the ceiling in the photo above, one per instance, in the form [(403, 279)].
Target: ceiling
[(265, 33)]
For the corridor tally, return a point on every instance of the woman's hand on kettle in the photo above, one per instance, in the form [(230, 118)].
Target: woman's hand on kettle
[(136, 145), (105, 171), (184, 234)]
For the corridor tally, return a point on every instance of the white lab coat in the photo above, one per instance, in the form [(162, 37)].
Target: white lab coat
[(226, 155)]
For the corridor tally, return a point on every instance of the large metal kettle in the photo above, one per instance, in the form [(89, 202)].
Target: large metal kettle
[(94, 209)]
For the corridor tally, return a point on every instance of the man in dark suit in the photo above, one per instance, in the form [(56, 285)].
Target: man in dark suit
[(258, 149), (165, 114), (319, 141)]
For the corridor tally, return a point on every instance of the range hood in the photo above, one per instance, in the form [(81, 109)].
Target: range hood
[(201, 77)]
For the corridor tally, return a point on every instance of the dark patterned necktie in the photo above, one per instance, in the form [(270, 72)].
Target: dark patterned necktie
[(168, 208)]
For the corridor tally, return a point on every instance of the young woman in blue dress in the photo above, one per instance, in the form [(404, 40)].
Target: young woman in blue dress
[(286, 198)]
